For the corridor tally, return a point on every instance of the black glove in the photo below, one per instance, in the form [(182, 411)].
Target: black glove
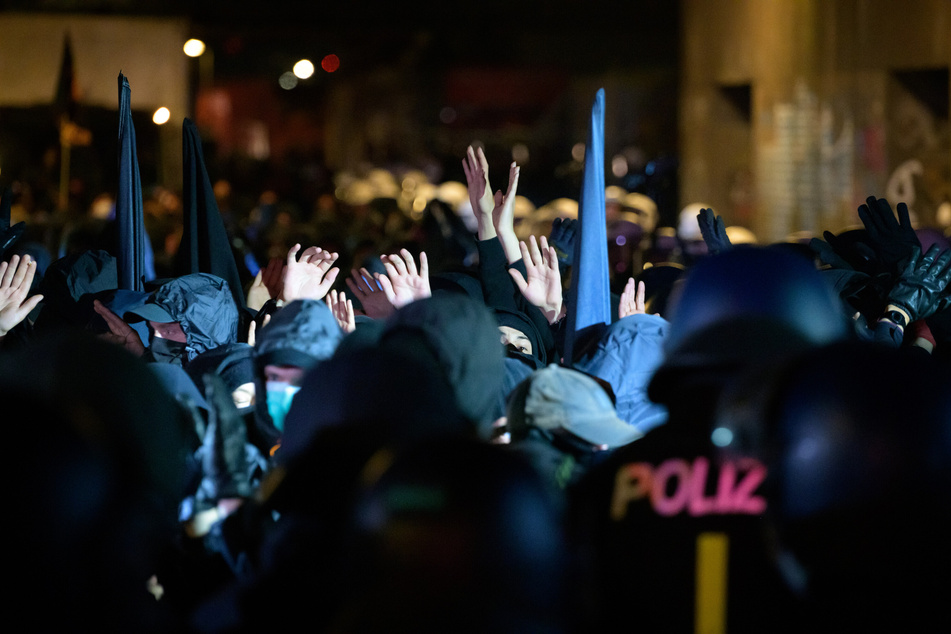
[(225, 469), (921, 285), (713, 231), (892, 240), (562, 237)]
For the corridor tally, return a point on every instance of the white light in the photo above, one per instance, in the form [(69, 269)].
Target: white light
[(721, 437), (288, 81), (619, 166), (194, 48), (161, 116), (577, 152), (304, 69)]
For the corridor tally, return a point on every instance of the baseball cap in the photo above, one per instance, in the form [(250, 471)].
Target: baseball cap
[(150, 311), (562, 398)]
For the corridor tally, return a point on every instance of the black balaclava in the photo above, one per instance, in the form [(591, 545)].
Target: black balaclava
[(539, 356)]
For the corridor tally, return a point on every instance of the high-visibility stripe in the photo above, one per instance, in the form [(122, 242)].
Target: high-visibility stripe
[(710, 609)]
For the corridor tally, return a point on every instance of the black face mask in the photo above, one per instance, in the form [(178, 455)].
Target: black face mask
[(514, 353), (166, 351)]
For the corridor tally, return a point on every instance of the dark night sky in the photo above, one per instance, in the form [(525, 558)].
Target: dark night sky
[(583, 36)]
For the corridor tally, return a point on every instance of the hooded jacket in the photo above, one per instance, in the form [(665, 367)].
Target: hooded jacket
[(301, 334), (459, 336), (202, 304)]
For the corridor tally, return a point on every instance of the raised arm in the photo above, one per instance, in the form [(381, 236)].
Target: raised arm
[(311, 276), (480, 192), (16, 277), (403, 283), (503, 217), (541, 285)]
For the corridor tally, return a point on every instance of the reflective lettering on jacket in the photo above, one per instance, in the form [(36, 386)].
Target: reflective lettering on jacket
[(677, 486)]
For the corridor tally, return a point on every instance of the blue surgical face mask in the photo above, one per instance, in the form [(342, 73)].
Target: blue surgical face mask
[(279, 398)]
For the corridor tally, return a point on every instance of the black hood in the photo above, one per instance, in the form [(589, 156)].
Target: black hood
[(69, 284), (519, 321), (460, 334)]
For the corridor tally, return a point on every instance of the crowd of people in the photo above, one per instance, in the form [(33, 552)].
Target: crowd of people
[(381, 431)]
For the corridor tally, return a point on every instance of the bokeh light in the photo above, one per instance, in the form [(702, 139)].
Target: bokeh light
[(577, 152), (194, 48), (161, 116), (619, 166), (304, 69), (288, 81), (447, 115), (330, 63), (520, 153)]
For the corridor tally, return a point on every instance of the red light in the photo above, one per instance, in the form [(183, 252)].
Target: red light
[(330, 63)]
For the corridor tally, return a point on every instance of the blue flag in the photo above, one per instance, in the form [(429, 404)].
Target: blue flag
[(589, 298), (130, 259)]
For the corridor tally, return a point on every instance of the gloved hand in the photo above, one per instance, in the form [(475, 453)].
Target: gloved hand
[(834, 250), (919, 289), (891, 239), (713, 231), (562, 237), (224, 461)]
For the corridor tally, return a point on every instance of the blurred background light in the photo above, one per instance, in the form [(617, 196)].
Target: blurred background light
[(304, 69), (288, 81), (330, 63), (161, 116), (577, 152), (447, 114), (619, 166), (520, 153), (194, 48)]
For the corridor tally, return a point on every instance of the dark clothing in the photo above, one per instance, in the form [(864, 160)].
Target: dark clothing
[(650, 508), (202, 305), (510, 306), (301, 334)]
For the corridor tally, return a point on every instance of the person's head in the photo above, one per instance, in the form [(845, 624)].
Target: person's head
[(188, 316), (516, 339), (745, 306), (569, 403), (234, 363), (520, 337), (298, 337), (458, 336)]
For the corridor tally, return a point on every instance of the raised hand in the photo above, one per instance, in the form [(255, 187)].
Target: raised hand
[(16, 277), (342, 310), (311, 276), (891, 239), (258, 294), (632, 299), (543, 286), (503, 217), (120, 333), (253, 329), (476, 168), (402, 282), (376, 304), (273, 277), (713, 231), (562, 237), (918, 291)]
